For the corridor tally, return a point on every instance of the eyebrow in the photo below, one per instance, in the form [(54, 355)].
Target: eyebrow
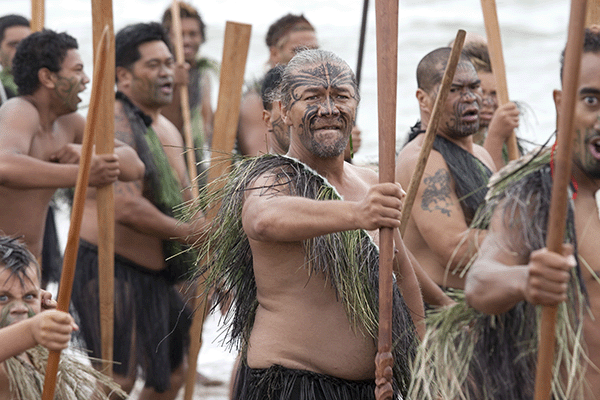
[(589, 90)]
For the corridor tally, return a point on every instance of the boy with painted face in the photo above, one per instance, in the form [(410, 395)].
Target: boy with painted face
[(24, 326)]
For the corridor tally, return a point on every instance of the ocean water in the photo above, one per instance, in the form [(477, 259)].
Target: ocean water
[(533, 35)]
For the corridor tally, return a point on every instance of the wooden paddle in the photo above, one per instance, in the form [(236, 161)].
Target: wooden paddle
[(592, 13), (430, 133), (560, 184), (102, 13), (37, 15), (492, 29), (233, 65), (386, 14), (68, 270)]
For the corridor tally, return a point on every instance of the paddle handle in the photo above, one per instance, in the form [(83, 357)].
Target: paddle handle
[(70, 258), (492, 30), (560, 184), (37, 15)]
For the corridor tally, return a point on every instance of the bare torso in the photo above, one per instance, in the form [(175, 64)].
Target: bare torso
[(24, 210), (300, 323), (436, 233), (588, 236)]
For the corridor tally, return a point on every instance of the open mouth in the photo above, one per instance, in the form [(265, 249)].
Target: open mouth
[(166, 88), (470, 115), (594, 147)]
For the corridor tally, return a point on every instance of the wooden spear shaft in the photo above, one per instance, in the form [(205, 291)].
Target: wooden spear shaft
[(361, 41), (386, 13), (233, 65), (37, 15), (560, 184), (68, 270), (430, 133), (492, 30), (592, 13), (102, 14)]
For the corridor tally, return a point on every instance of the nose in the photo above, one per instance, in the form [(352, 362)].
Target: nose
[(86, 79), (19, 309), (328, 107)]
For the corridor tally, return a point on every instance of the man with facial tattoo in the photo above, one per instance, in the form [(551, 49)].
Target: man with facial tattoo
[(41, 135), (456, 174), (151, 323), (302, 259)]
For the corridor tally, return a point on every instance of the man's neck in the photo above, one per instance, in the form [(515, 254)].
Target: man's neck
[(331, 168), (152, 112), (585, 184)]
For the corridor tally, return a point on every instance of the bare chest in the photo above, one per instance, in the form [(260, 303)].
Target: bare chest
[(45, 145)]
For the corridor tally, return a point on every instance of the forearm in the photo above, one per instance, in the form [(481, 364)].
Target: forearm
[(15, 339), (494, 288), (25, 172), (494, 144)]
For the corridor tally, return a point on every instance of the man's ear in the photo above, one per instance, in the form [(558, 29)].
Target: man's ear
[(123, 76), (265, 116), (47, 78), (284, 114), (424, 100), (557, 95)]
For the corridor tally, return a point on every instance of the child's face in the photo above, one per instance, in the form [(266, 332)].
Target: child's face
[(18, 301)]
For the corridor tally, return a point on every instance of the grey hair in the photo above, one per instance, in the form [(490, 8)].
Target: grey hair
[(310, 57)]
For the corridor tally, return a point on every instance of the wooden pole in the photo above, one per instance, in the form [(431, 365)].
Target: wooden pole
[(37, 15), (361, 41), (492, 29), (430, 133), (386, 13), (560, 184), (592, 13), (233, 65), (68, 270), (102, 15)]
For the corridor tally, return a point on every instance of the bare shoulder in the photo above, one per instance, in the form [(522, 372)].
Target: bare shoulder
[(484, 156), (18, 113), (407, 158), (167, 132)]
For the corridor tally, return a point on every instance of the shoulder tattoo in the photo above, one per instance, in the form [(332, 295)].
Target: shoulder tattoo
[(436, 195)]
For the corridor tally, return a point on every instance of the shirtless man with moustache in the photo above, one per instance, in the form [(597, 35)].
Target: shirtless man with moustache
[(149, 254), (456, 174), (309, 338), (40, 133)]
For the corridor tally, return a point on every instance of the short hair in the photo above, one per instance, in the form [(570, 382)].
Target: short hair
[(270, 86), (44, 49), (8, 21), (311, 57), (284, 25), (128, 40), (430, 70), (591, 44), (186, 10), (479, 55), (15, 257)]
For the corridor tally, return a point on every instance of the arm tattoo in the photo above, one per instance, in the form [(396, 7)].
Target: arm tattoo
[(436, 195)]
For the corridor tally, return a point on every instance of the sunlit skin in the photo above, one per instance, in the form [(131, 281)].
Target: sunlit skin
[(71, 80), (327, 98), (19, 300), (152, 76), (8, 46), (489, 98)]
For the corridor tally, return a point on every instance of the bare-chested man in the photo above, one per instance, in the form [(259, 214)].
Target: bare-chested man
[(148, 237), (305, 258), (39, 133), (513, 265), (456, 174)]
